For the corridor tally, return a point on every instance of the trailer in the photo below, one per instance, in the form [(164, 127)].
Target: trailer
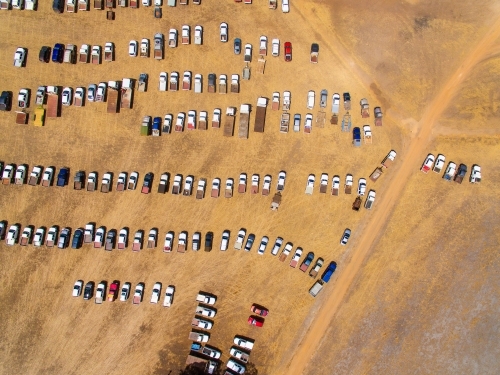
[(275, 104), (52, 101), (260, 116), (377, 113), (261, 65), (275, 203), (126, 93), (286, 100), (246, 72), (216, 118), (285, 122), (143, 82), (113, 90), (357, 203), (146, 125), (229, 121), (316, 288), (134, 4), (235, 83), (346, 123), (376, 174), (244, 117), (365, 108), (202, 121), (174, 81), (222, 84), (21, 117), (320, 119)]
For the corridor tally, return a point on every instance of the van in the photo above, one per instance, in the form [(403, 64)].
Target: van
[(356, 137), (58, 6)]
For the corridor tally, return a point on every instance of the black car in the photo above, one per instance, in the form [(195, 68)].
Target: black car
[(62, 177), (58, 6), (250, 240), (77, 239), (209, 239), (44, 55), (5, 101), (211, 80), (88, 292), (148, 182)]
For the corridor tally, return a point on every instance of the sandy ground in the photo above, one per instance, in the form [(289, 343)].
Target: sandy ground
[(44, 331)]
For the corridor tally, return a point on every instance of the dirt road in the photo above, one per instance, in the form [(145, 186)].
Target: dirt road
[(387, 202)]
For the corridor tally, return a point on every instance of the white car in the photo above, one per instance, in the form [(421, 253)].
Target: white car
[(205, 311), (188, 185), (285, 6), (277, 246), (145, 47), (67, 96), (191, 119), (167, 123), (77, 288), (296, 257), (240, 238), (281, 181), (475, 174), (229, 184), (180, 120), (310, 184), (308, 123), (20, 174), (345, 237), (310, 99), (169, 241), (323, 181), (99, 237), (198, 34), (125, 292), (12, 235), (195, 245), (169, 296), (91, 92), (361, 186), (428, 162), (225, 240), (101, 92), (186, 34), (155, 295), (215, 187), (8, 172), (248, 52), (263, 45), (22, 98), (223, 32), (47, 176), (263, 245), (132, 180), (39, 237), (276, 47), (266, 185), (172, 38), (132, 48), (79, 94), (236, 367), (439, 164), (146, 3), (122, 180)]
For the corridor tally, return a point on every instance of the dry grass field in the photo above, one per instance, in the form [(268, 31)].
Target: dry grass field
[(416, 287)]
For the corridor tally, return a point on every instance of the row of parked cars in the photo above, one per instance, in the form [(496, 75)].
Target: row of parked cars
[(12, 174), (436, 164), (102, 292)]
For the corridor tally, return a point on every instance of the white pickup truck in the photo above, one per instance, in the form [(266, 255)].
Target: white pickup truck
[(243, 343), (169, 296), (12, 235), (205, 311), (205, 298)]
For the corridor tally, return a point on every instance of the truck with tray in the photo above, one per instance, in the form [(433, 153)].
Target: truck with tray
[(229, 121), (126, 93), (113, 91), (365, 108), (285, 122), (143, 82), (260, 115), (158, 47), (377, 113), (244, 119), (52, 101)]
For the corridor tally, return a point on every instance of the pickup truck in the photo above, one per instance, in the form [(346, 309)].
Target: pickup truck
[(439, 164), (307, 261), (26, 236), (266, 185), (162, 186), (137, 243), (23, 98), (286, 251), (201, 323), (205, 311), (389, 159), (199, 337), (113, 291), (139, 290), (243, 342), (40, 95), (62, 177), (35, 175), (121, 181), (92, 181), (239, 239), (96, 55), (19, 57), (188, 186), (428, 162), (79, 180), (323, 183), (20, 176), (169, 296), (158, 47), (200, 190), (122, 239), (198, 35), (449, 173), (64, 238), (205, 298), (153, 235), (147, 183), (88, 235), (106, 182), (155, 295), (8, 174), (370, 199), (310, 184), (475, 174), (296, 257), (99, 237), (462, 171), (235, 367), (109, 243), (39, 237), (12, 235), (100, 293), (239, 355)]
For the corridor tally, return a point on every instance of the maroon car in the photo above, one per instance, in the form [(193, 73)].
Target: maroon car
[(259, 310), (255, 321), (288, 51)]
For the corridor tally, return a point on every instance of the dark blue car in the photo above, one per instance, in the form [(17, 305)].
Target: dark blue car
[(237, 46), (156, 124), (329, 272), (356, 137), (62, 177), (77, 239), (58, 53)]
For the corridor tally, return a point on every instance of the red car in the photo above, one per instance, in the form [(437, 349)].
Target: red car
[(113, 289), (259, 310), (255, 321), (288, 51)]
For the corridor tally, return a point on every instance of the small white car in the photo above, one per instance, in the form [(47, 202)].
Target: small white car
[(277, 246), (236, 367), (281, 181), (146, 3), (67, 96), (122, 238), (155, 295), (91, 92), (263, 45), (263, 245), (223, 32), (225, 240), (310, 99), (361, 186), (345, 237), (276, 47), (77, 288), (79, 94), (198, 34), (308, 123), (125, 292), (167, 123), (169, 296), (132, 48), (248, 51), (285, 6), (195, 245)]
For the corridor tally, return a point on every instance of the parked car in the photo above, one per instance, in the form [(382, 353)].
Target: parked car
[(428, 162), (345, 237), (125, 292), (132, 48), (44, 54), (195, 245), (77, 288), (255, 321), (356, 137), (91, 92), (259, 310), (62, 177), (288, 51), (225, 240), (277, 246), (249, 243), (67, 96), (64, 238), (276, 47), (209, 238), (237, 46), (223, 32), (58, 53), (263, 245), (77, 239), (285, 6), (88, 292), (361, 186)]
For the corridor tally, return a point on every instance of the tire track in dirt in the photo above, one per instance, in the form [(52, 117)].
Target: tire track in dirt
[(379, 220)]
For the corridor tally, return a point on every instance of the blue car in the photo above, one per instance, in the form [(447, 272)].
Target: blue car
[(58, 53), (77, 239), (62, 177), (356, 137), (329, 272), (156, 124), (237, 46)]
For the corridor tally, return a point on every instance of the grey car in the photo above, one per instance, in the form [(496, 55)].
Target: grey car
[(250, 240)]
